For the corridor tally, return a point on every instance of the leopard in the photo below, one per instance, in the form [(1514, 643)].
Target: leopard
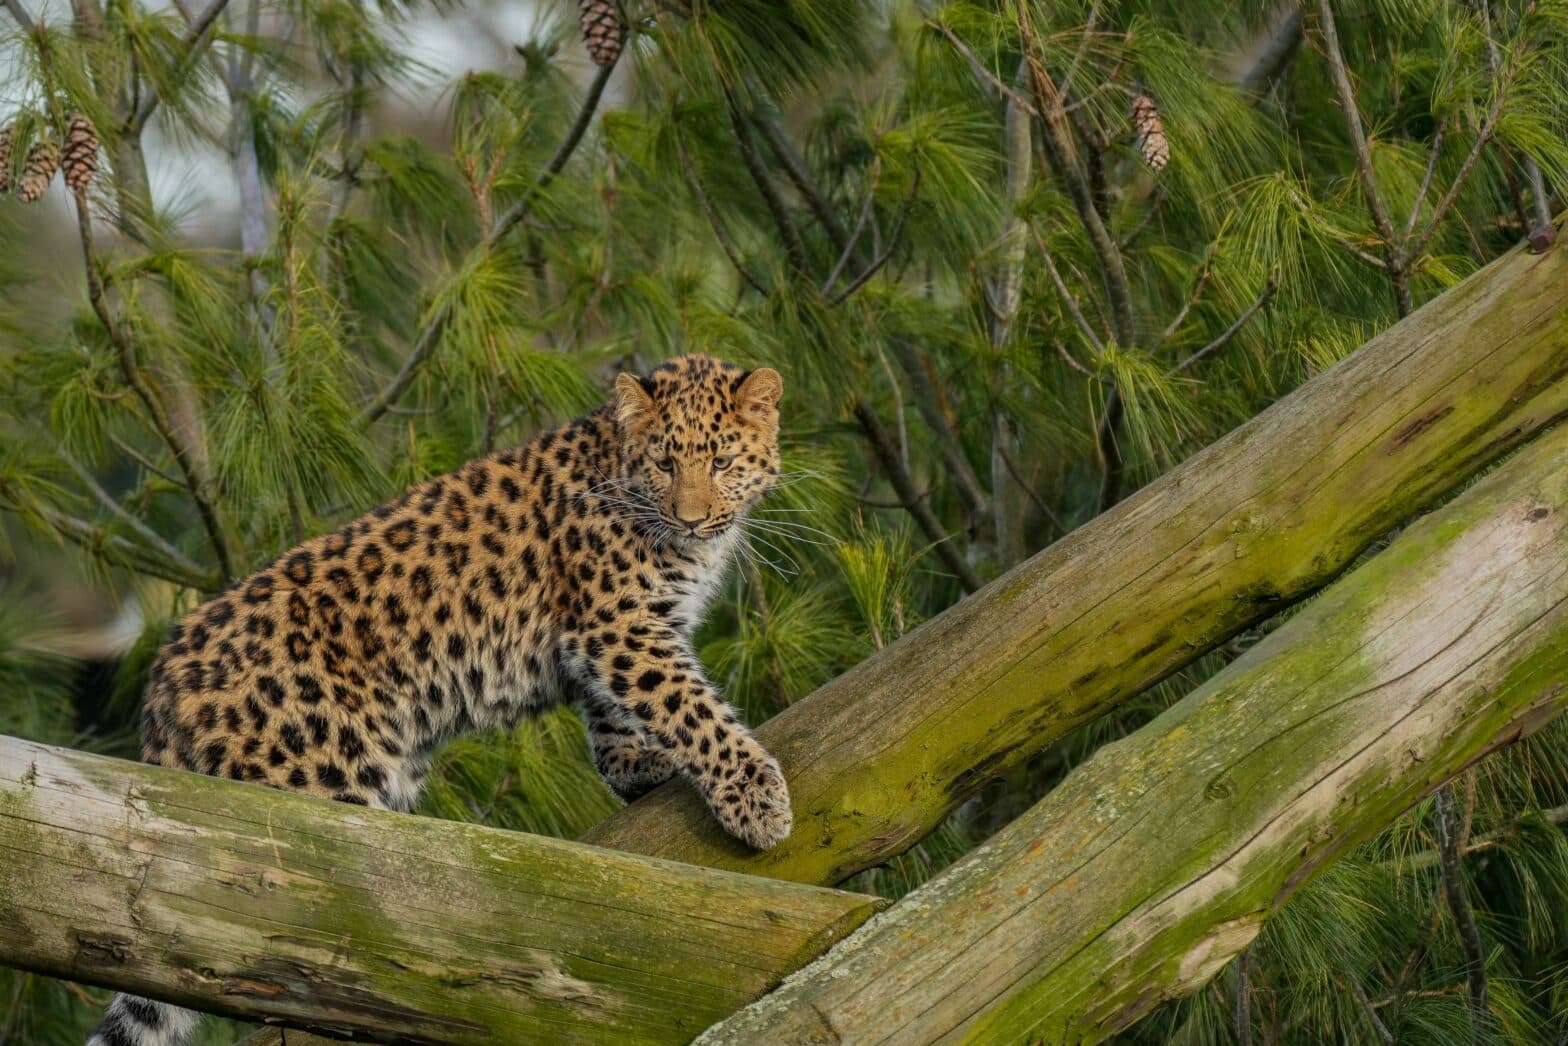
[(571, 570)]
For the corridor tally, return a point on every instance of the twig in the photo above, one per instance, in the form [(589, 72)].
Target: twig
[(563, 152), (142, 460), (1241, 1013), (1426, 179), (151, 536), (1231, 331), (435, 326), (1557, 815), (1360, 993), (892, 242), (19, 13), (903, 484), (980, 70), (860, 227), (1039, 503), (795, 170), (1449, 846), (1302, 206), (195, 44), (793, 248), (125, 351), (1067, 296), (1358, 138), (1192, 299), (708, 211), (1483, 135), (122, 551), (1276, 57)]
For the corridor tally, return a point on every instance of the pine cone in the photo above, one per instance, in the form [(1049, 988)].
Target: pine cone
[(604, 32), (43, 159), (80, 161), (5, 159), (1149, 133)]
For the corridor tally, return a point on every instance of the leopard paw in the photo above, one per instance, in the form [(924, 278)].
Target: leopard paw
[(753, 804)]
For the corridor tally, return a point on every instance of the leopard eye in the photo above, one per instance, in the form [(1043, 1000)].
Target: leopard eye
[(722, 462), (665, 464)]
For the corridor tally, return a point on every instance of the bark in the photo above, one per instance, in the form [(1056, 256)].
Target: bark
[(269, 905), (1260, 519), (1156, 862)]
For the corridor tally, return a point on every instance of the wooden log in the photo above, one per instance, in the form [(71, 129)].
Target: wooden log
[(260, 904), (1154, 863), (877, 757)]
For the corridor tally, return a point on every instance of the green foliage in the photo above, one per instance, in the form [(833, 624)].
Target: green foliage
[(828, 187)]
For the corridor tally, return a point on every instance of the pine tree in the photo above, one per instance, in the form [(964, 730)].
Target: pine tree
[(939, 220)]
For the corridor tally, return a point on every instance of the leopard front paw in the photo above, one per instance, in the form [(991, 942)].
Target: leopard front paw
[(632, 773), (752, 804)]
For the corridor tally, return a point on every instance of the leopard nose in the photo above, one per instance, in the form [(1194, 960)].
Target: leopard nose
[(689, 523)]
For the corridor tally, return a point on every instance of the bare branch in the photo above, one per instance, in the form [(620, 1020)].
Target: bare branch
[(1067, 295), (708, 211), (198, 37), (1450, 843), (980, 70), (941, 542), (892, 242), (1483, 135), (1397, 270), (1231, 331), (120, 551), (795, 169), (152, 537), (1426, 179), (860, 226), (19, 13), (1383, 1034), (197, 482)]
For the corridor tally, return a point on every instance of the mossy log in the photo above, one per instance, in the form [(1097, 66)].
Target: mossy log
[(260, 904), (1157, 861), (1253, 523)]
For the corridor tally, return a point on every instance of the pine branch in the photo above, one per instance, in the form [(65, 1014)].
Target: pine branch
[(1483, 135), (1450, 844), (197, 482), (795, 170), (727, 245), (1241, 1015), (1276, 57), (147, 534), (892, 243), (120, 551), (1067, 296), (1381, 1029), (430, 334), (19, 13), (747, 146), (1230, 332), (847, 249), (1426, 179), (1398, 276), (198, 38), (942, 543)]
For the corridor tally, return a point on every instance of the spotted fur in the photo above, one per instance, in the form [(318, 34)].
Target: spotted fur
[(571, 569)]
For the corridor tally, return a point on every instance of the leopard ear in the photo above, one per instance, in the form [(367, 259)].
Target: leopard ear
[(758, 396), (634, 409)]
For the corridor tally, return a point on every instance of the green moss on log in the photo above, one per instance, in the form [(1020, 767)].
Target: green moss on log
[(269, 905), (1265, 516), (1154, 863)]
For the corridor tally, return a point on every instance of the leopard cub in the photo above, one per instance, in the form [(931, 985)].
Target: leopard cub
[(570, 569)]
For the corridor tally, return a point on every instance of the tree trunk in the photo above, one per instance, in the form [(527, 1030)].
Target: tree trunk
[(1158, 860), (1267, 515), (268, 905)]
